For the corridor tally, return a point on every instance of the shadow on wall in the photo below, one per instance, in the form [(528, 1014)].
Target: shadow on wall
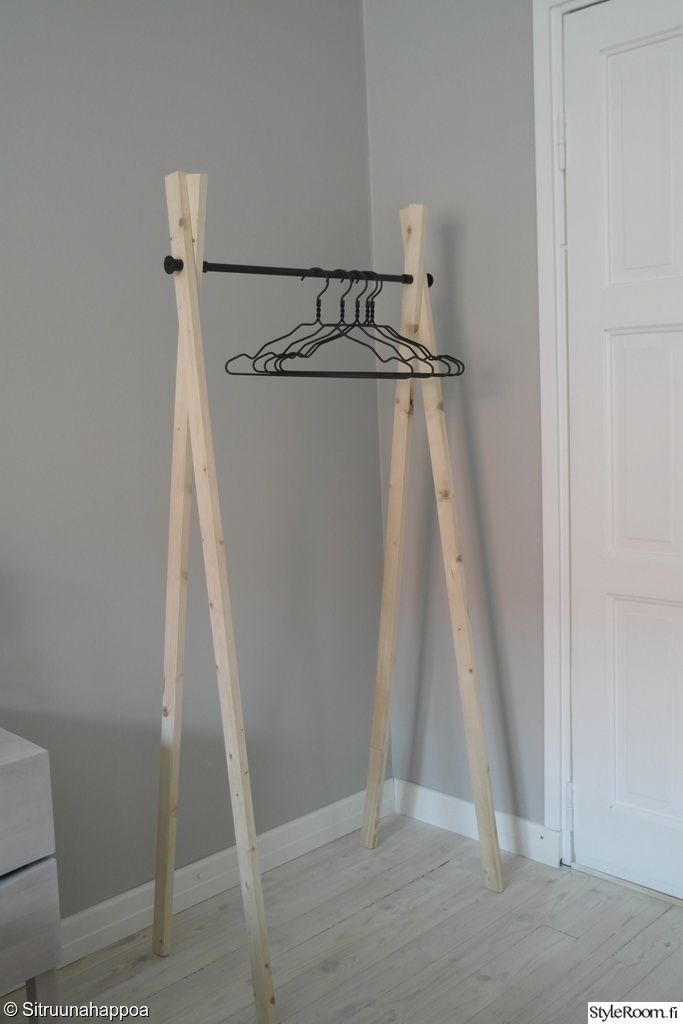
[(494, 673), (89, 754)]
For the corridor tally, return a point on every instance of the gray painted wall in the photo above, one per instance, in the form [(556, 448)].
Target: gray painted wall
[(450, 97), (99, 101)]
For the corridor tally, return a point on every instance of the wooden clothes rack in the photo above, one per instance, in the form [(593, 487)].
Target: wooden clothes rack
[(193, 458)]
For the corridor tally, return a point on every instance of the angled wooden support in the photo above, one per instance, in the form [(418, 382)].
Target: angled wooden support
[(176, 606), (193, 373), (456, 589), (412, 229), (420, 326)]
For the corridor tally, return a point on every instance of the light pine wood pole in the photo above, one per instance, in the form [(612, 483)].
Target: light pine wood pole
[(457, 603), (176, 606), (43, 988), (412, 230), (206, 486)]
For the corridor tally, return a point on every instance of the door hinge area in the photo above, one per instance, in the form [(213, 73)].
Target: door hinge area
[(561, 142), (570, 806)]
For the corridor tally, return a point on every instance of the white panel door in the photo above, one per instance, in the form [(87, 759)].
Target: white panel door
[(624, 177)]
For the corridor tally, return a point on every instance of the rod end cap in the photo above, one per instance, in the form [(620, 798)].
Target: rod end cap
[(171, 265)]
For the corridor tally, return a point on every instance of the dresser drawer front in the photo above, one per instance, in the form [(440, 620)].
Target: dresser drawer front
[(30, 941), (26, 829)]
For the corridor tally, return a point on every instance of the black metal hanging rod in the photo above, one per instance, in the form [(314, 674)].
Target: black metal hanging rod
[(171, 265)]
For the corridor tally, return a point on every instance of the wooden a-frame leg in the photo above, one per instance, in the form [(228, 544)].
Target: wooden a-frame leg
[(43, 988), (459, 613), (393, 545), (176, 605), (412, 229), (208, 504)]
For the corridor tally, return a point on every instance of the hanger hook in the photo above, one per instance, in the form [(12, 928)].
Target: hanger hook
[(320, 273), (364, 275), (352, 275), (369, 302), (318, 298), (371, 299), (374, 291)]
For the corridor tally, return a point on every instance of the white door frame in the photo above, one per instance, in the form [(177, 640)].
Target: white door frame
[(548, 23)]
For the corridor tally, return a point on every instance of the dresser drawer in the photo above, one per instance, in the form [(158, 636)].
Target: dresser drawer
[(30, 940), (26, 830)]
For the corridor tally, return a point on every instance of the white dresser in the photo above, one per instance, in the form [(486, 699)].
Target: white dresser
[(30, 944)]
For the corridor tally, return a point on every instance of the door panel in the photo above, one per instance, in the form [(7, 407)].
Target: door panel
[(643, 109), (624, 188), (646, 450), (645, 677)]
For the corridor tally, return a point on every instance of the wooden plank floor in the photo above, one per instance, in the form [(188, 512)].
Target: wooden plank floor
[(405, 933)]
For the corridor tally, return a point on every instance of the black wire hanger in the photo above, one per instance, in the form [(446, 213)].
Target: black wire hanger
[(293, 354)]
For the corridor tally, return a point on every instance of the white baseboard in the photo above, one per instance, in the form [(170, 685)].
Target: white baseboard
[(123, 915), (107, 922), (514, 834)]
